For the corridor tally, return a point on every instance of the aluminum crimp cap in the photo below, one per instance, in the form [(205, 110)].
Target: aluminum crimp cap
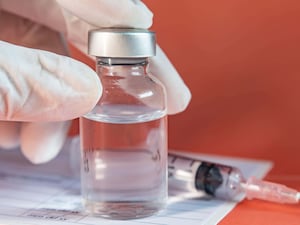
[(121, 43)]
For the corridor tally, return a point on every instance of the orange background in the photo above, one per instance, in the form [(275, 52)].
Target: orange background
[(241, 60)]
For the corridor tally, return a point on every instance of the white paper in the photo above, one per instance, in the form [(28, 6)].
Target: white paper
[(48, 194)]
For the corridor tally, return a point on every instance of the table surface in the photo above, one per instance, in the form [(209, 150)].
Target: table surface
[(241, 63)]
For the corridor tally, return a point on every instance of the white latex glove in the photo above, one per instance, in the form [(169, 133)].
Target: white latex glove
[(39, 87)]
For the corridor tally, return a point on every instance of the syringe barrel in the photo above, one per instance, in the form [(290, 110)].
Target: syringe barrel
[(214, 179)]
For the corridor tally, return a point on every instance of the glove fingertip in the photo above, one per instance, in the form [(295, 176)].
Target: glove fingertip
[(90, 86), (41, 142), (178, 94), (74, 87), (40, 153), (181, 103)]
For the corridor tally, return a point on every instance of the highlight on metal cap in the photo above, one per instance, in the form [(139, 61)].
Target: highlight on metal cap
[(121, 42)]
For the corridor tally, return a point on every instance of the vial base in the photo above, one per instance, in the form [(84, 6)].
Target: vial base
[(123, 167), (123, 210)]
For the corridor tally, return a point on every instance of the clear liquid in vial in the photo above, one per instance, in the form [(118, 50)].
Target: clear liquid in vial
[(124, 163)]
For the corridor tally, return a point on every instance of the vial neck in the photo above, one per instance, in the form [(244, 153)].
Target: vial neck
[(122, 66), (121, 61)]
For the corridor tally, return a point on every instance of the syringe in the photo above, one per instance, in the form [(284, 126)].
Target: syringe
[(221, 181), (224, 182)]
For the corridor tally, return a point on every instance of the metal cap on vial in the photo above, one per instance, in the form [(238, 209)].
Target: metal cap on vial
[(121, 43)]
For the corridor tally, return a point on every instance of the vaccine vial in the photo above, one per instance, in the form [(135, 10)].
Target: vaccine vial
[(124, 138)]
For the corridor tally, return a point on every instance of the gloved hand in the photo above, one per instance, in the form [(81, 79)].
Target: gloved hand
[(129, 13), (41, 91)]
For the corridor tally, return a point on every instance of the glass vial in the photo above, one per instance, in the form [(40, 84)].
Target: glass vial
[(124, 138)]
